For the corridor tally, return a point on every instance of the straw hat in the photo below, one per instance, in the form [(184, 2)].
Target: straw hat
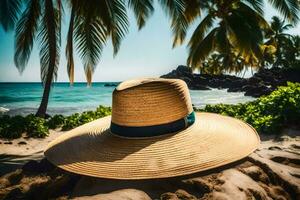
[(152, 133)]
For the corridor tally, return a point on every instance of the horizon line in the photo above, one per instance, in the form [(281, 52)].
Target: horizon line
[(59, 82)]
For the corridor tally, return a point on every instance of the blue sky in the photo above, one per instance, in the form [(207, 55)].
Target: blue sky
[(144, 53)]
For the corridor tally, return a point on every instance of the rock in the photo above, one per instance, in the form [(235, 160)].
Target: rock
[(197, 79), (199, 87), (22, 143), (182, 194), (33, 166), (184, 71), (257, 91), (110, 85), (128, 194), (254, 81), (187, 80), (181, 71), (9, 142), (261, 83), (237, 89), (15, 193), (169, 196), (46, 166)]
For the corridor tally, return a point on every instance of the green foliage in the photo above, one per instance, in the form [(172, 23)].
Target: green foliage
[(14, 127), (36, 126), (267, 114), (55, 121), (88, 116)]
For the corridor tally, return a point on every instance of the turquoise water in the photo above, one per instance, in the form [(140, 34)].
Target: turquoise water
[(24, 98)]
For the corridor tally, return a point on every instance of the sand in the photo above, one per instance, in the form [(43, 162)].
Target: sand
[(15, 153), (271, 172)]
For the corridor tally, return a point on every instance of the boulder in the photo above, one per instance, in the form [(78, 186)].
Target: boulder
[(199, 87), (34, 166), (184, 71), (110, 85), (235, 89), (257, 91), (261, 83)]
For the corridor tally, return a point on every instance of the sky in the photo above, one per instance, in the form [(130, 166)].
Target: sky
[(144, 53)]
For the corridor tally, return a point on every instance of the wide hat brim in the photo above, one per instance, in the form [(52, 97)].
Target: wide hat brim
[(213, 140)]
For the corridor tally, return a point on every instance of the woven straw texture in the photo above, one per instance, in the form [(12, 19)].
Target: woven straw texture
[(148, 102), (212, 141)]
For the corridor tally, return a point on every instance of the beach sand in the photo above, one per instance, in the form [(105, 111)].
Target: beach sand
[(271, 172), (15, 153)]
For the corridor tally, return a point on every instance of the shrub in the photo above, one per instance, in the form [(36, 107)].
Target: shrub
[(71, 121), (268, 114), (36, 127), (55, 121), (12, 127), (77, 119)]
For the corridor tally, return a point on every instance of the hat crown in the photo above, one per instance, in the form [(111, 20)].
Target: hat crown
[(152, 101)]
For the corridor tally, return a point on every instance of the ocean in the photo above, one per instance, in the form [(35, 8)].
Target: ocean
[(24, 98)]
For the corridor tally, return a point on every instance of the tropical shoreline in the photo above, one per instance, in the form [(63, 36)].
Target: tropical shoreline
[(270, 172), (68, 100)]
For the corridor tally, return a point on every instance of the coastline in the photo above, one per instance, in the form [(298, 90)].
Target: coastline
[(272, 171), (66, 101)]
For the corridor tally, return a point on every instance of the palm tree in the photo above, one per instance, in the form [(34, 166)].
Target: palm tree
[(237, 24), (280, 39), (91, 25), (93, 22), (232, 24), (290, 57), (9, 12), (40, 20)]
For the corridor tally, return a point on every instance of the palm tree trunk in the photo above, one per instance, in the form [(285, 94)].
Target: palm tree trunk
[(44, 103), (49, 12)]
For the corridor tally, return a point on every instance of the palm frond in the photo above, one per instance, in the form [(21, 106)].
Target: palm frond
[(223, 45), (175, 9), (256, 18), (9, 12), (69, 48), (201, 49), (49, 37), (60, 11), (90, 36), (25, 33), (257, 5), (201, 30), (193, 9), (245, 31), (288, 8), (118, 26), (142, 9)]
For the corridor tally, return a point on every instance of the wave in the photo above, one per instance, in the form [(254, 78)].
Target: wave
[(3, 110), (10, 99)]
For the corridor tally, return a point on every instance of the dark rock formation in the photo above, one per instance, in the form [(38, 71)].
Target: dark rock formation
[(261, 83), (110, 85)]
